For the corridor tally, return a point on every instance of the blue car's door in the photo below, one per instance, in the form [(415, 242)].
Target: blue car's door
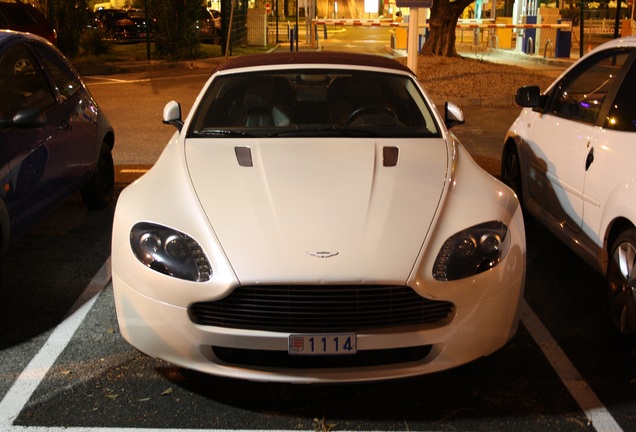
[(75, 112), (41, 163)]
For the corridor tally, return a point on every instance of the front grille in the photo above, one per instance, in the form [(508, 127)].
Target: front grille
[(281, 359), (320, 308)]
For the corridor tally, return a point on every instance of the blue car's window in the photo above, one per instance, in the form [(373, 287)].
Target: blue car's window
[(318, 102), (66, 81), (22, 83)]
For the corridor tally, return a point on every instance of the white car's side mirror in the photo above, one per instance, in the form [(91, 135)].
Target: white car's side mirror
[(172, 114), (453, 115)]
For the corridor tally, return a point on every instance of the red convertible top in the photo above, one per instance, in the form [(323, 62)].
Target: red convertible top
[(312, 57)]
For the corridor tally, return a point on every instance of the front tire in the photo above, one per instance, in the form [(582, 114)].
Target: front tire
[(98, 192), (621, 283)]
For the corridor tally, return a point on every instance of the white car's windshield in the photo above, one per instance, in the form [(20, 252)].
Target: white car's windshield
[(313, 103)]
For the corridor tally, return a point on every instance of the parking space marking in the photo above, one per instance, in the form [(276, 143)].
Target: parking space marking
[(106, 80), (596, 413), (134, 171), (103, 80), (31, 377)]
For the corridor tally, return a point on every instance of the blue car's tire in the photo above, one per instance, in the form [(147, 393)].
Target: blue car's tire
[(98, 192)]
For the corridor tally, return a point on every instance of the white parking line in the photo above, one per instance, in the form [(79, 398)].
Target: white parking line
[(134, 171), (31, 377), (103, 80), (596, 413), (108, 80), (25, 385)]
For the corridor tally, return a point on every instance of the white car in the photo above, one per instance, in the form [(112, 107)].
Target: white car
[(312, 220), (570, 156)]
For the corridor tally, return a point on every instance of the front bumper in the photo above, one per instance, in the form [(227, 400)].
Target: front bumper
[(165, 331)]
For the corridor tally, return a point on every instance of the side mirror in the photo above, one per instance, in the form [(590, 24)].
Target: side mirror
[(453, 115), (528, 97), (172, 115), (25, 119)]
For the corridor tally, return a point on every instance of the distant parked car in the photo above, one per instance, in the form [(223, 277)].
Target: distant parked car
[(124, 25), (313, 220), (209, 25), (18, 16), (54, 139), (571, 158)]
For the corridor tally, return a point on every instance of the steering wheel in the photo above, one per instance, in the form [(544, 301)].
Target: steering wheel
[(23, 67), (379, 109)]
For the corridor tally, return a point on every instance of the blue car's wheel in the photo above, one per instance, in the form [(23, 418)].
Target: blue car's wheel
[(98, 192)]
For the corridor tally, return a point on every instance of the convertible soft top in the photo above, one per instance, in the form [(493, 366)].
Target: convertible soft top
[(312, 57)]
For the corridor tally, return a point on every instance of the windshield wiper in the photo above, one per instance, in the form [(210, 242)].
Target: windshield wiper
[(223, 132)]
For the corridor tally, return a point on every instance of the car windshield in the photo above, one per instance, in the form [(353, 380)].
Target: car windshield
[(313, 102)]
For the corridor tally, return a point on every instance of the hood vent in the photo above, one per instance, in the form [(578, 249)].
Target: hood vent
[(244, 156), (390, 156)]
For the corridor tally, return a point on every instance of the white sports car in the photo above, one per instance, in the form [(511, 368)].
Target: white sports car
[(312, 220)]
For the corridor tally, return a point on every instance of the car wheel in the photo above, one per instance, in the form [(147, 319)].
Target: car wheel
[(621, 283), (511, 171), (98, 192)]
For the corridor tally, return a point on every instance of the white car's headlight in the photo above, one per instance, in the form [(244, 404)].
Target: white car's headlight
[(472, 251), (169, 252)]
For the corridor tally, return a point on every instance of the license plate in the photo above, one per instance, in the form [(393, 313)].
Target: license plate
[(320, 344)]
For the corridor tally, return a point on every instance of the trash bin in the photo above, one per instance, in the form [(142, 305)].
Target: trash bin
[(504, 35), (401, 34)]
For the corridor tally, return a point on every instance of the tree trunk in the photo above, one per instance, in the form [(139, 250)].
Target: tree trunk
[(442, 25)]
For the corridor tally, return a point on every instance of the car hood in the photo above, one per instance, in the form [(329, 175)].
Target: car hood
[(319, 210)]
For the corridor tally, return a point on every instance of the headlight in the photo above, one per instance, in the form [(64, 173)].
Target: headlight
[(472, 251), (169, 252)]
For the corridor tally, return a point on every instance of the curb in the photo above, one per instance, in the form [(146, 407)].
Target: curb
[(548, 61)]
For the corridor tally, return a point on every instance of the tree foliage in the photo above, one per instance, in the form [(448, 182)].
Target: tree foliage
[(443, 23), (69, 18), (177, 37)]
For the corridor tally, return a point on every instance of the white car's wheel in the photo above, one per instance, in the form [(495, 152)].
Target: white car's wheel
[(621, 283)]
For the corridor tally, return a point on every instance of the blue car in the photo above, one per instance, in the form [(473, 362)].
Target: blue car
[(54, 139)]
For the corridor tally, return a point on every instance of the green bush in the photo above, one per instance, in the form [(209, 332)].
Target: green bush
[(70, 19), (92, 42), (177, 37)]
